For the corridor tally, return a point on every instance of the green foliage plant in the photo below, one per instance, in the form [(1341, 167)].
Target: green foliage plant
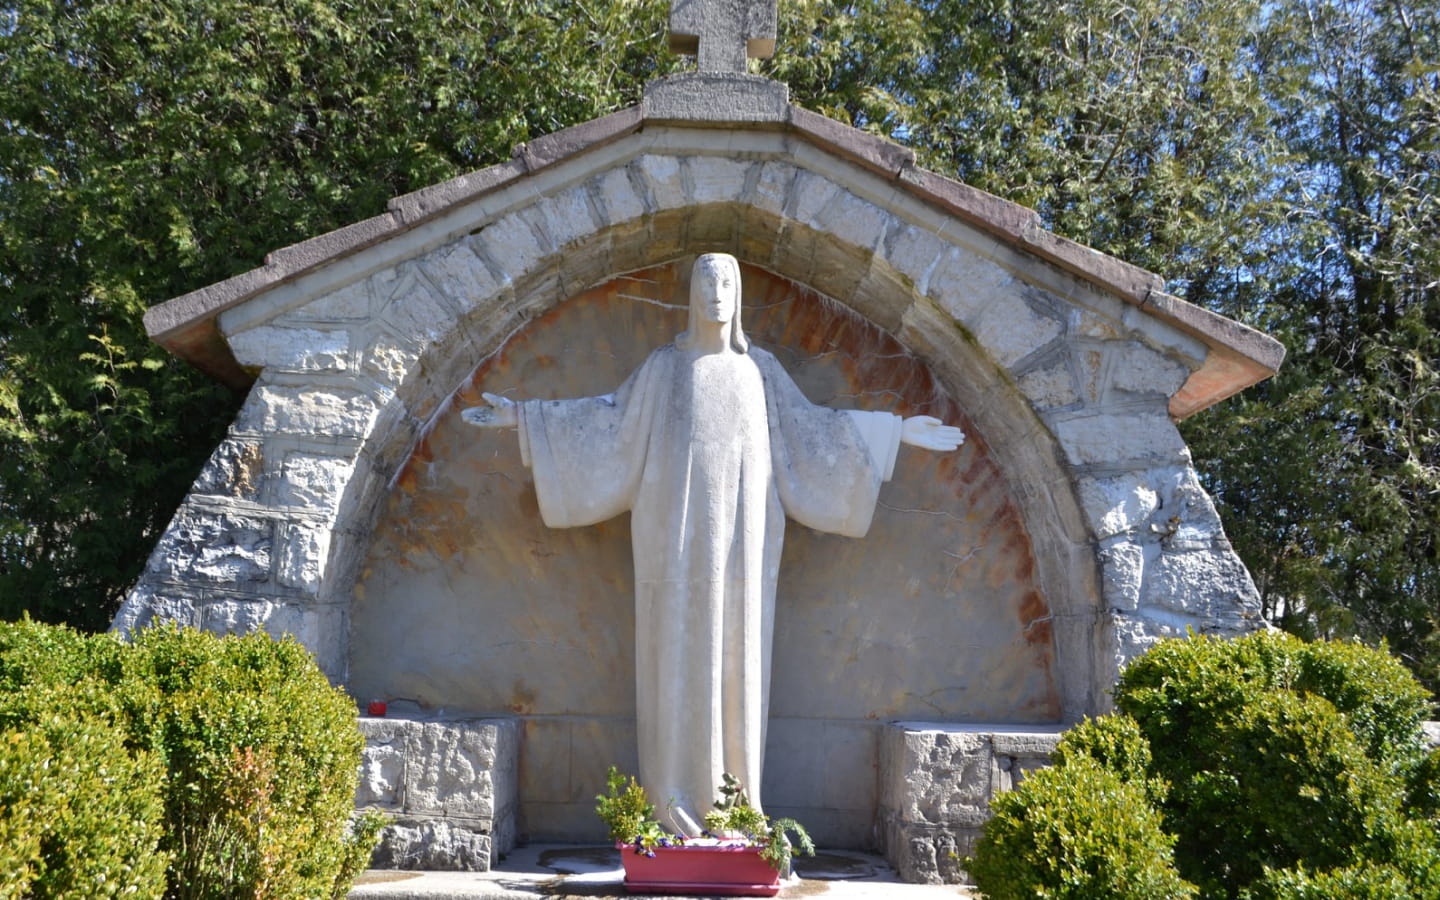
[(734, 816), (629, 816), (1076, 832), (80, 815), (257, 753), (1279, 753)]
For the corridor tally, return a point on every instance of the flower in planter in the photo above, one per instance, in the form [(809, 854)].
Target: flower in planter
[(734, 822)]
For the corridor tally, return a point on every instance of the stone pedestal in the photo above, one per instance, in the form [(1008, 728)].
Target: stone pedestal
[(450, 786), (936, 784)]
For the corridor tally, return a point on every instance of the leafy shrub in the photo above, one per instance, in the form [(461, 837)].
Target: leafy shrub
[(80, 817), (260, 753), (262, 756), (1412, 873), (1076, 832), (1116, 744), (1279, 754)]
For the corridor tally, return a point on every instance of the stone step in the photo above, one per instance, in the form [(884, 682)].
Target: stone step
[(563, 870)]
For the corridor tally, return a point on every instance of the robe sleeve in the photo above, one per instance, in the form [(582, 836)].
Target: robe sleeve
[(828, 463), (587, 455)]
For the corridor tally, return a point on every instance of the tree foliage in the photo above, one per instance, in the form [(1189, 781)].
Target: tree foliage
[(1276, 162), (150, 148)]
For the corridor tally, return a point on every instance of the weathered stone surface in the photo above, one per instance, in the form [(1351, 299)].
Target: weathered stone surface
[(1011, 331), (354, 301), (1210, 585), (303, 552), (936, 785), (314, 409), (292, 349), (1138, 436), (714, 179), (147, 606), (461, 275), (1122, 572), (312, 481), (1050, 386), (1117, 505), (1139, 370), (214, 548), (236, 469), (452, 783), (615, 194), (728, 97), (435, 845)]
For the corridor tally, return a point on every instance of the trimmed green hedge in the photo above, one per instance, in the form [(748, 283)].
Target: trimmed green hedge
[(255, 753), (1279, 769), (1076, 832)]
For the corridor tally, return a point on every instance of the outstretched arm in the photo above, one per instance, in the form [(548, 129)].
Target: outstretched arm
[(930, 433), (500, 413)]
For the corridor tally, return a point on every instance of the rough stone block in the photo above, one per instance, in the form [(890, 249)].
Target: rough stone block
[(1122, 571), (1010, 329), (388, 359), (511, 246), (1117, 505), (236, 469), (304, 551), (1138, 370), (914, 253), (854, 221), (964, 284), (714, 179), (1100, 438), (416, 311), (428, 843), (773, 187), (1207, 584), (313, 482), (936, 786), (292, 349), (615, 194), (145, 606), (452, 783), (568, 216), (1049, 387), (214, 548), (809, 195), (447, 770), (461, 275), (715, 97), (354, 301), (663, 180), (318, 409)]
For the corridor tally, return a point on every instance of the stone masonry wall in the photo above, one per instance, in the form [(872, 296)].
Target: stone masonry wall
[(450, 787), (936, 784)]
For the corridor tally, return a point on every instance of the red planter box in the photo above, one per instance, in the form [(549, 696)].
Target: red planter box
[(724, 870)]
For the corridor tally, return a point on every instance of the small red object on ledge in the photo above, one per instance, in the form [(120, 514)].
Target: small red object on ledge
[(376, 708)]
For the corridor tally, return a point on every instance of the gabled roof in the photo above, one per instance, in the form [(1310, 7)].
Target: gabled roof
[(1237, 356)]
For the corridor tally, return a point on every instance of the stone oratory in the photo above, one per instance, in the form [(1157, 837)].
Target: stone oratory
[(916, 670)]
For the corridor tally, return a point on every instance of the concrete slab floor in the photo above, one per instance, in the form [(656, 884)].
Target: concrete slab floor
[(566, 871)]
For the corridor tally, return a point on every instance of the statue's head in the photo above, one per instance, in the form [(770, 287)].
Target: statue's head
[(715, 296)]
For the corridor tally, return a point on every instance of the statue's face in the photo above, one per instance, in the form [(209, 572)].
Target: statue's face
[(715, 289)]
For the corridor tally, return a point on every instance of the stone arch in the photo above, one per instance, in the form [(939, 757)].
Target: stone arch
[(877, 266)]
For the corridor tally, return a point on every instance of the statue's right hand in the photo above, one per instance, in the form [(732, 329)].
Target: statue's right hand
[(501, 413)]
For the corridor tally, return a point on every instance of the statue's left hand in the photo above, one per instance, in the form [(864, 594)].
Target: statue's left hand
[(930, 433)]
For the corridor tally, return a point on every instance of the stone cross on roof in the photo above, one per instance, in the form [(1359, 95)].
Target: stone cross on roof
[(721, 34)]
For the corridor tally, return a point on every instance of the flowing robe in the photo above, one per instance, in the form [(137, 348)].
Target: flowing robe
[(709, 453)]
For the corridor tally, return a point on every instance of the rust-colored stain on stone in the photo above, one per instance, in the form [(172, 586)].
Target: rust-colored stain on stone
[(467, 597)]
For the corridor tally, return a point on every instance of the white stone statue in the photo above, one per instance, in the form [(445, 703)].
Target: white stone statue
[(709, 445)]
